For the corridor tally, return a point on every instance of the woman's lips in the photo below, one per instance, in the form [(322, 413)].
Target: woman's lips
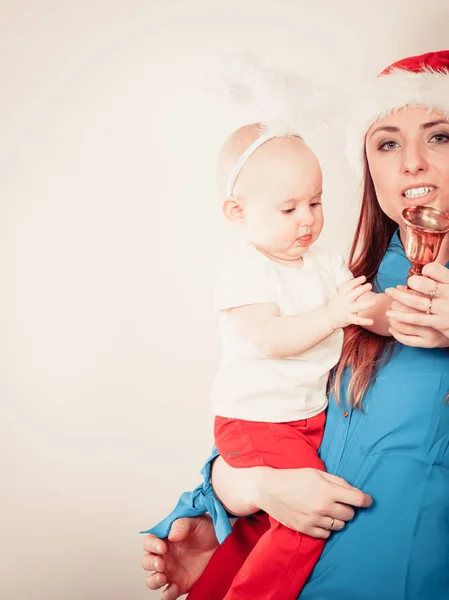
[(421, 199)]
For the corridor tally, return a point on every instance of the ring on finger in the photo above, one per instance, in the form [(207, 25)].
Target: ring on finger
[(434, 291), (331, 525), (429, 308)]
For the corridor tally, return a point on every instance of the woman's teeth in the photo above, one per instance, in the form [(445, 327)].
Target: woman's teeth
[(416, 192)]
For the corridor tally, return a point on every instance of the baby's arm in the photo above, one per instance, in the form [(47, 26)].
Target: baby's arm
[(381, 323), (283, 336)]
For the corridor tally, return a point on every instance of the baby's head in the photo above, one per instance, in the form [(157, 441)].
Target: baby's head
[(274, 194)]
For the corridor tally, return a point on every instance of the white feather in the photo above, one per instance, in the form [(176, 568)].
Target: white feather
[(284, 102)]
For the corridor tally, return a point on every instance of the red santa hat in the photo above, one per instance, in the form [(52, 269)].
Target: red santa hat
[(418, 81)]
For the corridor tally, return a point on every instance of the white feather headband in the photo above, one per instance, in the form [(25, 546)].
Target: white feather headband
[(283, 102)]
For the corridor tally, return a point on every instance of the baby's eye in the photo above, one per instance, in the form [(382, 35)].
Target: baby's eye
[(440, 138), (315, 204), (287, 211), (388, 145)]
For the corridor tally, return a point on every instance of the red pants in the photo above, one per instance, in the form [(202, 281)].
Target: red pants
[(262, 559)]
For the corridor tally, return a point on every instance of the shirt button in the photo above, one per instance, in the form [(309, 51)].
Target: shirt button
[(345, 414)]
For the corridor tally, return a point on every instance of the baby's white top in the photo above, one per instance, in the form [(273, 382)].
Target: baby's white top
[(251, 386)]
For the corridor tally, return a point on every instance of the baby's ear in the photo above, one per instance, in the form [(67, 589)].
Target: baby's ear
[(233, 210)]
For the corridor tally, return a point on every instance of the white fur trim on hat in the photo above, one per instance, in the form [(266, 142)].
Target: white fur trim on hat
[(389, 92)]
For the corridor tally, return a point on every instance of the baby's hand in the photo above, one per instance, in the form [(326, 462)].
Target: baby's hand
[(369, 297), (353, 297)]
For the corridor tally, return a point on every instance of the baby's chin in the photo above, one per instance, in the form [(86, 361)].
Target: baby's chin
[(296, 251), (290, 255)]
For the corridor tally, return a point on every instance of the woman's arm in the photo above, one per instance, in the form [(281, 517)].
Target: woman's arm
[(303, 499)]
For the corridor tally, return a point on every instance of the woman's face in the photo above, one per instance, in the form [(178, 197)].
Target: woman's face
[(408, 157)]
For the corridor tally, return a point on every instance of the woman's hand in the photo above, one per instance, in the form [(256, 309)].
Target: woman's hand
[(181, 559), (307, 500), (310, 501), (419, 316)]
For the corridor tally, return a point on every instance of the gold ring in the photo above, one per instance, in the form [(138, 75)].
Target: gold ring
[(433, 292), (429, 308), (331, 525)]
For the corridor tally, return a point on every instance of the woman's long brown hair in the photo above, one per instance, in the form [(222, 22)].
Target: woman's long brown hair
[(363, 351)]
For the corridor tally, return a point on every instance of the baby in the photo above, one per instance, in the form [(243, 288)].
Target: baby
[(282, 305)]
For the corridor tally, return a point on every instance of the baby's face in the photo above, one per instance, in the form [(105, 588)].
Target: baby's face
[(281, 191)]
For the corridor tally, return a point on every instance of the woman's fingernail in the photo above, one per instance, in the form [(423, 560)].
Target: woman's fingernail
[(389, 291), (156, 565), (158, 548)]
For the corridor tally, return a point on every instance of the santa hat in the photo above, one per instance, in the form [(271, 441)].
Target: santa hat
[(418, 81)]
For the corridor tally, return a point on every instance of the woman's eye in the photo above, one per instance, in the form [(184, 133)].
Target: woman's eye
[(389, 145), (440, 138), (287, 211), (315, 204)]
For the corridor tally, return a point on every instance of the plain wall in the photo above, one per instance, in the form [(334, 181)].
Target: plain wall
[(110, 237)]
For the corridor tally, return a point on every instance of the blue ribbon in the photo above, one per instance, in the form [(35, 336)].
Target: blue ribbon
[(198, 502)]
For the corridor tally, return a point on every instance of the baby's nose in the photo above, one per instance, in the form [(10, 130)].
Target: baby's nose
[(306, 217)]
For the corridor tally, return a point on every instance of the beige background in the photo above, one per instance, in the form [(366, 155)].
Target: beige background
[(110, 235)]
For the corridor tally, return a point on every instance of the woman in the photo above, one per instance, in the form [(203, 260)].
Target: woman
[(391, 440)]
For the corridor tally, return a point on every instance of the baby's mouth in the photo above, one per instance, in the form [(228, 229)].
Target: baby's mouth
[(305, 239)]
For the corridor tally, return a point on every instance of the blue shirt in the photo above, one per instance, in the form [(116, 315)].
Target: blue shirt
[(397, 451)]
